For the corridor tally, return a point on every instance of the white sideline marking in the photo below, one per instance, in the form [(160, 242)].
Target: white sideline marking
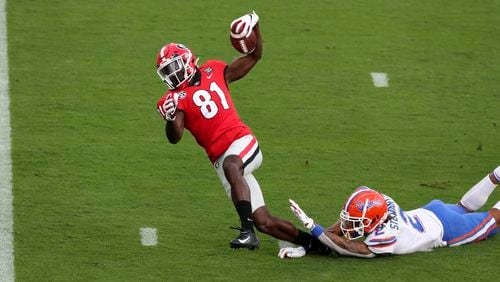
[(6, 220), (380, 79), (148, 236)]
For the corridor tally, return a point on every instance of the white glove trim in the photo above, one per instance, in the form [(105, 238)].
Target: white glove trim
[(291, 252), (245, 25), (169, 107), (301, 215)]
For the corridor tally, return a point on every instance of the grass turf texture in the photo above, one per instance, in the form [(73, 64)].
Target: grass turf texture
[(91, 164)]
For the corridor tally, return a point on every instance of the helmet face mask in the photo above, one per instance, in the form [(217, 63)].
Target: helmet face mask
[(173, 72), (353, 227), (362, 213), (176, 65)]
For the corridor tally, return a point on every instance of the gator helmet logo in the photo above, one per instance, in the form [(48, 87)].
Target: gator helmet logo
[(372, 203)]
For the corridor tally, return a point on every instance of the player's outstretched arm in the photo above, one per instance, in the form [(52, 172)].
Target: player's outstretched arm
[(337, 243), (335, 228), (349, 247), (242, 65)]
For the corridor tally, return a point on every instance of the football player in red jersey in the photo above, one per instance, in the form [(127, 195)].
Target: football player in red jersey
[(199, 101)]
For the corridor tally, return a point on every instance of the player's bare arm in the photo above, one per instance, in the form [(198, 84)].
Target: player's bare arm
[(357, 247), (335, 228), (174, 119), (242, 65), (175, 128)]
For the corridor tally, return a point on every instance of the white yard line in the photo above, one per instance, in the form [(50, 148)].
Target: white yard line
[(380, 79), (6, 219), (148, 236)]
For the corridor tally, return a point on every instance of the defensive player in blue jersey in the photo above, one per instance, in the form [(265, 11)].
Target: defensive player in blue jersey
[(385, 228)]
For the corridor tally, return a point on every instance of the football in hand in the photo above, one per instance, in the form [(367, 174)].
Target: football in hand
[(242, 43)]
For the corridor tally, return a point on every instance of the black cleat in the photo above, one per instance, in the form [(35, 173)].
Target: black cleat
[(247, 239)]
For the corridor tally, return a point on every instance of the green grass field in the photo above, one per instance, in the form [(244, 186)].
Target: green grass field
[(91, 164)]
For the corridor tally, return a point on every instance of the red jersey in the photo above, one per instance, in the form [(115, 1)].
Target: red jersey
[(209, 113)]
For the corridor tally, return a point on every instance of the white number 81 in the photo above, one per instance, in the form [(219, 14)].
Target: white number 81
[(208, 107)]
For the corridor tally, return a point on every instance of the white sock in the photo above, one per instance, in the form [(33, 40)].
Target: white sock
[(477, 196), (496, 173), (497, 205)]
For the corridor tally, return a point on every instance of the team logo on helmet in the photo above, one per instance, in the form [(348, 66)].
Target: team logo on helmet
[(363, 211), (372, 203)]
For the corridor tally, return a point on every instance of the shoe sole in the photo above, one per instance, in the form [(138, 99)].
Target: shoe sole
[(251, 248)]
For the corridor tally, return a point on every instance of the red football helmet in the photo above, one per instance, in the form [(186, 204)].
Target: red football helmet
[(364, 210), (176, 65)]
